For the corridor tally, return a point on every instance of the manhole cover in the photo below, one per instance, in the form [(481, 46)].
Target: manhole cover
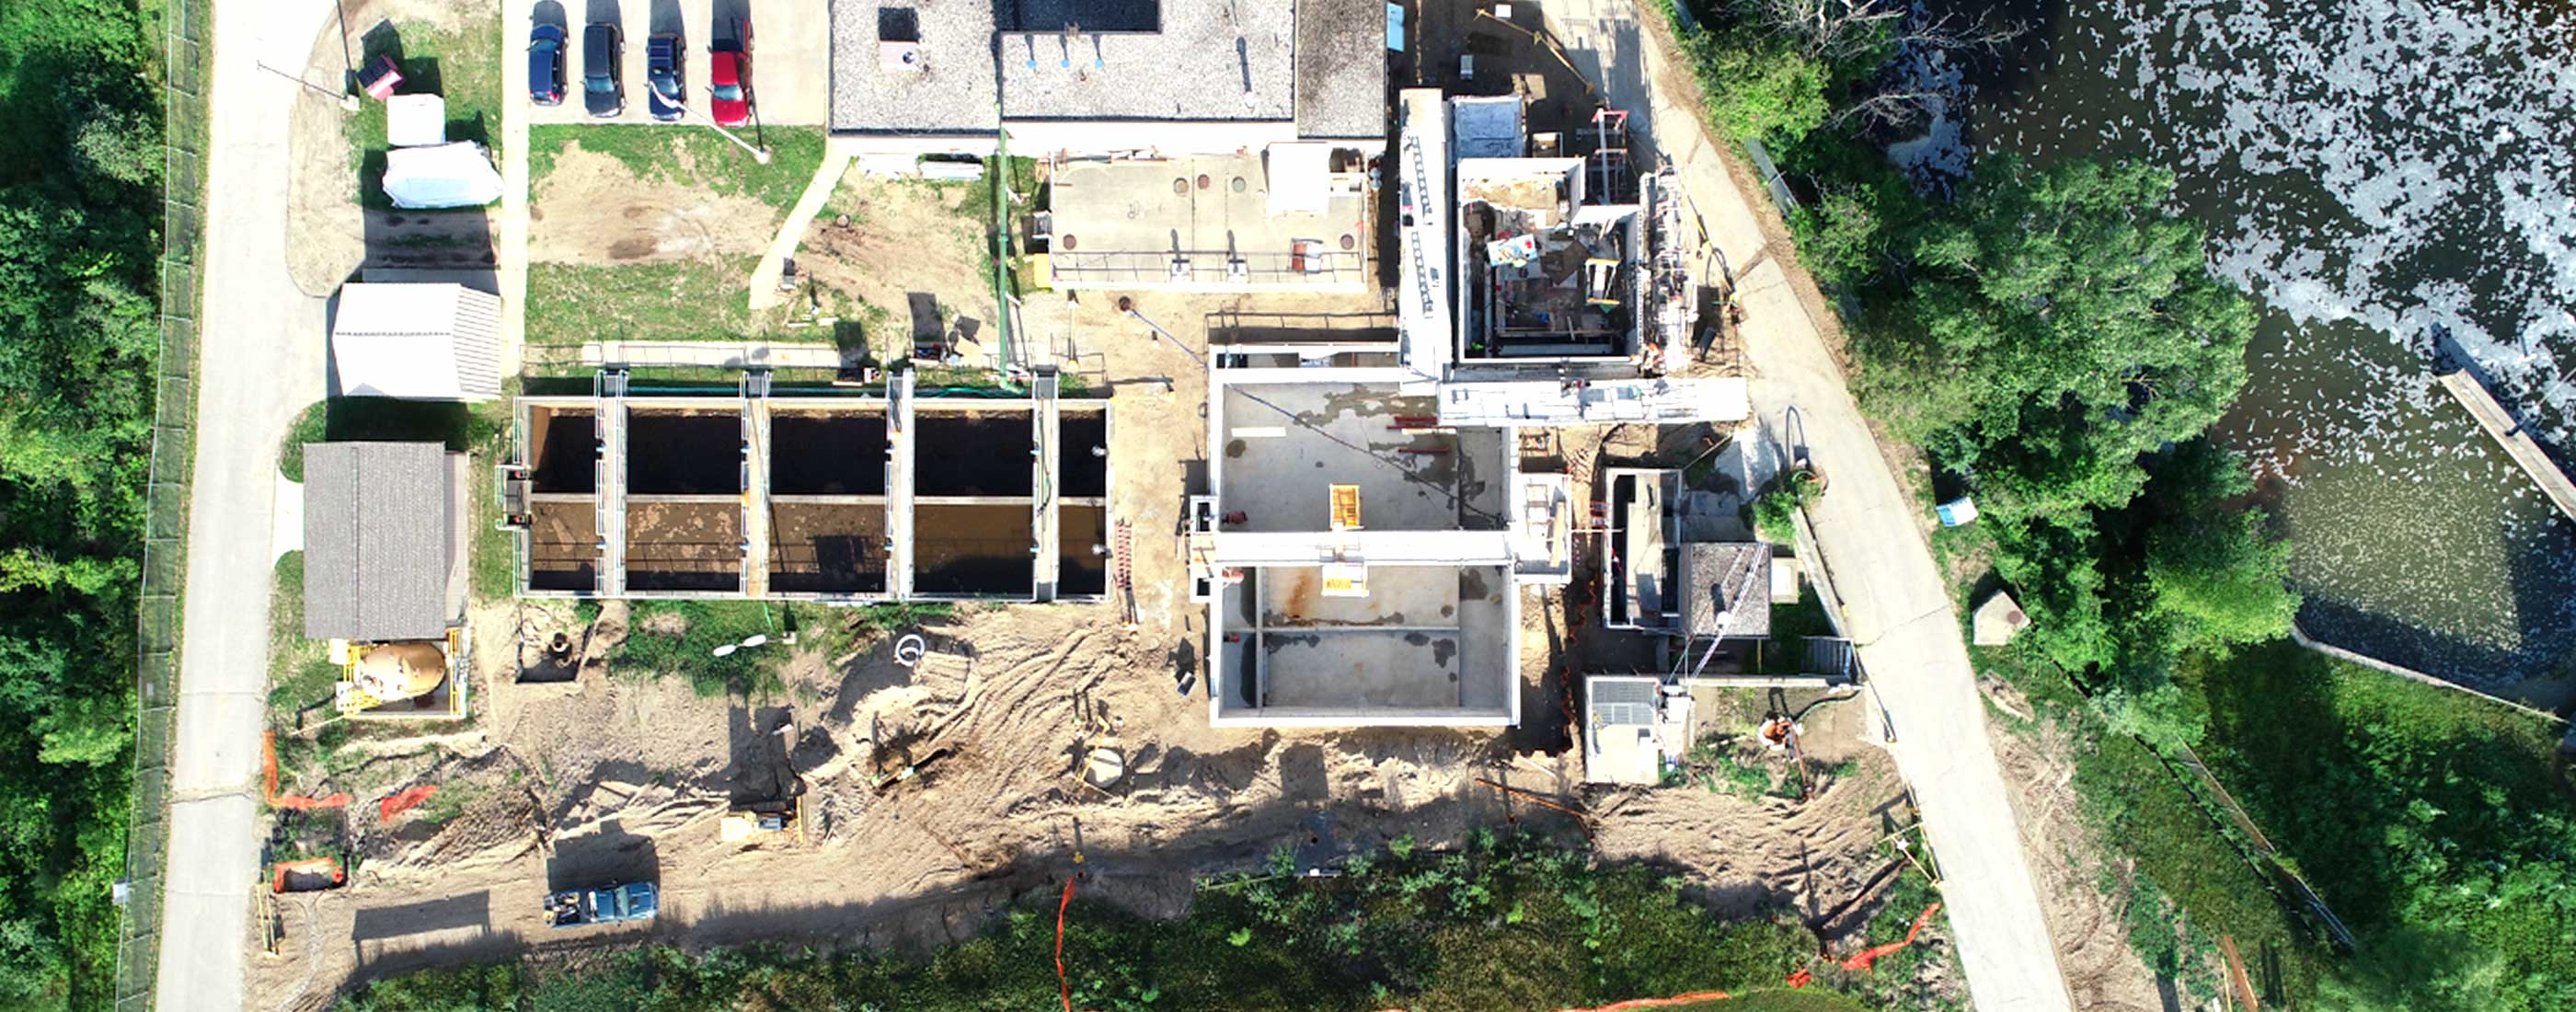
[(1240, 185)]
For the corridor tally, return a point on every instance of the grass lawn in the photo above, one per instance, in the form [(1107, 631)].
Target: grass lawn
[(2436, 824), (463, 65), (300, 672), (689, 156), (2180, 860), (683, 300), (688, 300), (1505, 923), (680, 638)]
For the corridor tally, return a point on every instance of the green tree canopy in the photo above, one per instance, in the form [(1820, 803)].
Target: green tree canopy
[(2062, 323)]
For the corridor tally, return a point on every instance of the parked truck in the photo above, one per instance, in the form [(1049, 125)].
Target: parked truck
[(615, 904)]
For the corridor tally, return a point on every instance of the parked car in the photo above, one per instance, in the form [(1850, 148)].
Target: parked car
[(546, 65), (600, 48), (665, 80), (729, 84)]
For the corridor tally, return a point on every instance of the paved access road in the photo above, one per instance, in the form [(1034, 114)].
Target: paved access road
[(1895, 599), (260, 361)]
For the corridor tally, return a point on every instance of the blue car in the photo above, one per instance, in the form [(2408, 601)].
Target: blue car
[(602, 93), (546, 65), (664, 79)]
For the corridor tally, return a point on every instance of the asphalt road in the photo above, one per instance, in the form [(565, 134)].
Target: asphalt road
[(260, 361), (1895, 601)]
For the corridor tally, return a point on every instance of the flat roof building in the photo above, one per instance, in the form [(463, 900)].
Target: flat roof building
[(1632, 729), (384, 541), (1182, 76), (1292, 217)]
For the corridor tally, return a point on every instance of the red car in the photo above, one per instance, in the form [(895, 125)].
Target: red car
[(729, 87)]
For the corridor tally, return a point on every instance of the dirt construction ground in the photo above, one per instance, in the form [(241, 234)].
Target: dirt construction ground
[(607, 778), (592, 210)]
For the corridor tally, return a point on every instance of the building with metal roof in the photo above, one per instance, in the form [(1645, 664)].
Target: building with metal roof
[(384, 540), (417, 341)]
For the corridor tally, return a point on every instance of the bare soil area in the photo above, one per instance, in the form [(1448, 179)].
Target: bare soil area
[(908, 257), (592, 210), (601, 778), (2088, 922)]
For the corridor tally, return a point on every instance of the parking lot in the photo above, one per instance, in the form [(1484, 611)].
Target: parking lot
[(790, 47)]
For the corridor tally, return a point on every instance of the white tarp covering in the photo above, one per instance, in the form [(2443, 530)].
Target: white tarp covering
[(431, 342), (447, 175), (1301, 178), (413, 121)]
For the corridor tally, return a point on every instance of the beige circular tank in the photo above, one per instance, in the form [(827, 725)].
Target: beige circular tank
[(395, 671)]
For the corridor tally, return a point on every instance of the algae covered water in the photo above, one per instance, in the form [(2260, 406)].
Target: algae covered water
[(2385, 177)]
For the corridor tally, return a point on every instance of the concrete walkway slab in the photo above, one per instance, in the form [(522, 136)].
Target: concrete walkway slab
[(716, 354), (791, 233), (261, 361)]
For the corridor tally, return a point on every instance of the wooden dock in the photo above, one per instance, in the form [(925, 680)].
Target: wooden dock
[(2517, 444)]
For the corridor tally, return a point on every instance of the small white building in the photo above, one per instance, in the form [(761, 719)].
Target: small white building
[(417, 341), (1632, 728)]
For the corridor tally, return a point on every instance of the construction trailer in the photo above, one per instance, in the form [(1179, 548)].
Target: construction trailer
[(819, 494)]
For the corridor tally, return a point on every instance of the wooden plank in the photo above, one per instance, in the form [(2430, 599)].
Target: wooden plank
[(2517, 443)]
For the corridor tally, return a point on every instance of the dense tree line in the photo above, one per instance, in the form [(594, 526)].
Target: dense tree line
[(2052, 339), (80, 171), (2051, 336)]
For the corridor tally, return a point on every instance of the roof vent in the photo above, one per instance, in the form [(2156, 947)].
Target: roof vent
[(899, 40)]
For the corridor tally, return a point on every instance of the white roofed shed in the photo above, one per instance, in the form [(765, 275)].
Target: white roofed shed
[(416, 341)]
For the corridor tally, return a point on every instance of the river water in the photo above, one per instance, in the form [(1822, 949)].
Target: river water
[(2375, 173)]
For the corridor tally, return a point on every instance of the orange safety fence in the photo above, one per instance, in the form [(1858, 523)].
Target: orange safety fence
[(1063, 984), (1862, 959), (268, 770), (402, 801), (319, 865)]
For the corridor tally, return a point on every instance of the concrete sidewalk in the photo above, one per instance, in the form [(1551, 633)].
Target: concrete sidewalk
[(716, 354), (261, 360), (1895, 599), (791, 233)]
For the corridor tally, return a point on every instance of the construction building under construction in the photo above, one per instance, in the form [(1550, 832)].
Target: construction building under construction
[(814, 494), (1558, 258)]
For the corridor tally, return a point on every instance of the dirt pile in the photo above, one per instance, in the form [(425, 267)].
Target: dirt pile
[(595, 211)]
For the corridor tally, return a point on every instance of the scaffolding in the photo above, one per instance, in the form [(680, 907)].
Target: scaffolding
[(1607, 165)]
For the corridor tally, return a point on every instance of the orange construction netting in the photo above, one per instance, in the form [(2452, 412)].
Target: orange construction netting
[(277, 881), (402, 801), (268, 771), (1861, 960)]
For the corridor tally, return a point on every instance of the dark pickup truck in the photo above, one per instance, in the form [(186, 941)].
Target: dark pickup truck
[(616, 904), (664, 80)]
